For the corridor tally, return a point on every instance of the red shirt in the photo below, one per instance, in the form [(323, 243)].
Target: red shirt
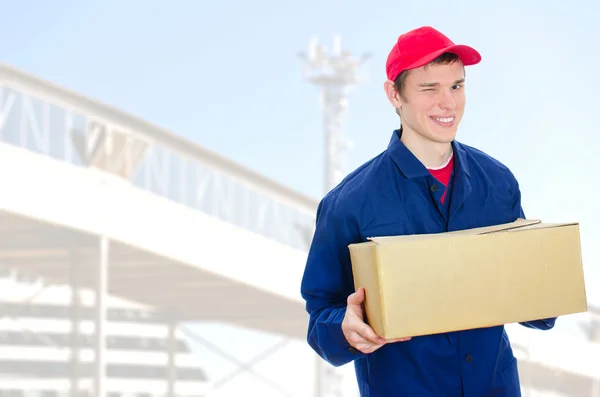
[(443, 174)]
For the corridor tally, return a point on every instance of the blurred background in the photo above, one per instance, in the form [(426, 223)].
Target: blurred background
[(161, 163)]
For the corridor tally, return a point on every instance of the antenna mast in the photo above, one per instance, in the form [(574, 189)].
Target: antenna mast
[(335, 74)]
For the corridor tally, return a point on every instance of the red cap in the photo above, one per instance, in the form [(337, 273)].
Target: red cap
[(421, 46)]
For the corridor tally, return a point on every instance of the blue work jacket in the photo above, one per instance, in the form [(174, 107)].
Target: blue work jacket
[(394, 194)]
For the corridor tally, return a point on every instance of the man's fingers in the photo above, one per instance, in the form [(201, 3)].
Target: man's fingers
[(367, 348), (357, 298), (367, 332), (364, 345), (367, 341)]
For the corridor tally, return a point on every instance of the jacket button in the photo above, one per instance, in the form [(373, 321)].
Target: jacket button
[(434, 188), (468, 358)]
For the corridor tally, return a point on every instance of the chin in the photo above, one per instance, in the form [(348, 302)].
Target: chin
[(443, 136)]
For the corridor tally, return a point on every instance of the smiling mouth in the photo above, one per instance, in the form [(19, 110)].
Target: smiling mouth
[(444, 121)]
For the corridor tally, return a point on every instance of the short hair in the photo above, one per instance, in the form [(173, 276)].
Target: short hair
[(446, 58)]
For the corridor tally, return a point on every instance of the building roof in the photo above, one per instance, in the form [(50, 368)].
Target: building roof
[(183, 145)]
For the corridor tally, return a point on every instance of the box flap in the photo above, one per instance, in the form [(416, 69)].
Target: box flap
[(519, 223), (544, 225)]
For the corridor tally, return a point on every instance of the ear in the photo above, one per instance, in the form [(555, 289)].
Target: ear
[(392, 94)]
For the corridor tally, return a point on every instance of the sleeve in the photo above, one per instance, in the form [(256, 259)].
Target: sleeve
[(517, 210), (327, 281)]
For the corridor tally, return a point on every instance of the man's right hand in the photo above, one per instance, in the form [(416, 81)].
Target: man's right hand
[(358, 334)]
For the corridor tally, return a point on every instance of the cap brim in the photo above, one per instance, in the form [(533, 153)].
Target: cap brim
[(468, 56)]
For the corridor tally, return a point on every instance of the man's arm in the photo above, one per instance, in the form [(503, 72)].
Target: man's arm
[(328, 281), (517, 210)]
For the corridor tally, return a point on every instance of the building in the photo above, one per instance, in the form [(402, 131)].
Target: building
[(99, 201), (36, 343)]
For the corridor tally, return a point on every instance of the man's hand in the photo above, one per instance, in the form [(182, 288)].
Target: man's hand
[(358, 334)]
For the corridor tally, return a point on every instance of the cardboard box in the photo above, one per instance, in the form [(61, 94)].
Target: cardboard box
[(434, 283)]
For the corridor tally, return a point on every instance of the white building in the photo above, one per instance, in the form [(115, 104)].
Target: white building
[(97, 200), (36, 341)]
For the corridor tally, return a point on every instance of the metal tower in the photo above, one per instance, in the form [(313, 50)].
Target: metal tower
[(335, 74)]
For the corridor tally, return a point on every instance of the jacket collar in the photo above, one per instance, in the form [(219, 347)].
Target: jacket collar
[(411, 167)]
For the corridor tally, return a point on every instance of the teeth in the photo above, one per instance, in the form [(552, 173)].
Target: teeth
[(445, 119)]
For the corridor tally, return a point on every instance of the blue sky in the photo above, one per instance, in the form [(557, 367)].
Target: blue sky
[(226, 75)]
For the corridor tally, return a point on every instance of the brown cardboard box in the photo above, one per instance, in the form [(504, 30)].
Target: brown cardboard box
[(516, 272)]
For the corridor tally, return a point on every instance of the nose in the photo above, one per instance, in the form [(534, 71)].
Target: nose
[(447, 100)]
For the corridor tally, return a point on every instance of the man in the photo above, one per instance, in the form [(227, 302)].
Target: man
[(424, 182)]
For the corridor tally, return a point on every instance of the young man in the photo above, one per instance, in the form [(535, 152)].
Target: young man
[(425, 182)]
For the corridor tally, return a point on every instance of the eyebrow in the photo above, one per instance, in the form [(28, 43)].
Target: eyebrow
[(460, 81)]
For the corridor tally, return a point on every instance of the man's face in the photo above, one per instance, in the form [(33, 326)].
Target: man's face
[(433, 101)]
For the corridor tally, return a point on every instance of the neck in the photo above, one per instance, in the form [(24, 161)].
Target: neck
[(431, 154)]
